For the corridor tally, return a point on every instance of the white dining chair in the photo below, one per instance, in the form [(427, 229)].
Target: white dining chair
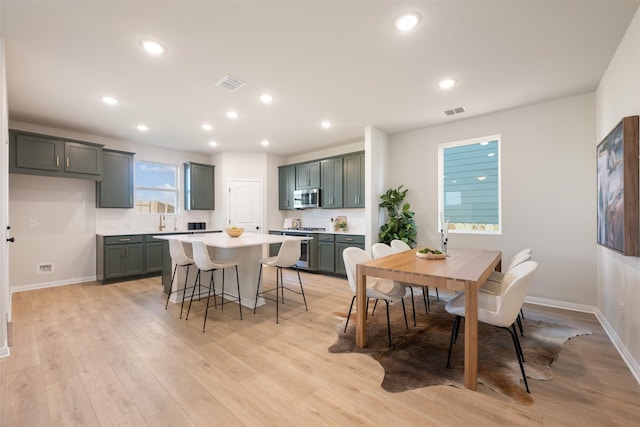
[(380, 250), (180, 259), (498, 310), (494, 282), (287, 257), (401, 246), (377, 288), (205, 264)]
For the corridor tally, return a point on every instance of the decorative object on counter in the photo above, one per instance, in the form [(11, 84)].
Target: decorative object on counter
[(288, 223), (235, 231), (340, 223), (401, 225)]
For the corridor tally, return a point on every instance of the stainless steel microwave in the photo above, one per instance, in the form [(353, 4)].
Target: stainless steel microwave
[(306, 199)]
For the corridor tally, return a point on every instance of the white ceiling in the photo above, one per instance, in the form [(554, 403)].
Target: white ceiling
[(336, 60)]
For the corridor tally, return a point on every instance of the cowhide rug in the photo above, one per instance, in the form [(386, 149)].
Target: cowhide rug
[(418, 355)]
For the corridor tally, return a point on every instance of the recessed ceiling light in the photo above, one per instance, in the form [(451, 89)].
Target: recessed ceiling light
[(266, 98), (407, 21), (265, 142), (142, 128), (326, 124), (484, 143), (213, 143), (491, 154), (232, 114), (482, 178), (446, 83), (152, 47), (109, 100), (207, 126)]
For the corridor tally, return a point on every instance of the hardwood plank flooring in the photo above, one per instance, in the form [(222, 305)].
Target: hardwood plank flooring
[(103, 355)]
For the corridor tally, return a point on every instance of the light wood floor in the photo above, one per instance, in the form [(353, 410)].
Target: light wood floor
[(85, 355)]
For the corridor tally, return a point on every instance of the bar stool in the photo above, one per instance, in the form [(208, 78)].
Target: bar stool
[(180, 259), (287, 257), (205, 263)]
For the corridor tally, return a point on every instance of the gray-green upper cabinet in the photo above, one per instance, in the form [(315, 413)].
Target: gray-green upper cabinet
[(82, 158), (116, 188), (36, 154), (331, 183), (286, 186), (199, 183), (354, 181), (308, 175)]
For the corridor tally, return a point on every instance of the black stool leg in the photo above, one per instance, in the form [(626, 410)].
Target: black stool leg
[(206, 311), (198, 279), (388, 322), (239, 299), (349, 315), (255, 305), (301, 289), (413, 308), (171, 287), (186, 281)]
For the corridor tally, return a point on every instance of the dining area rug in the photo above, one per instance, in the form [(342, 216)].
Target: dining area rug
[(418, 355)]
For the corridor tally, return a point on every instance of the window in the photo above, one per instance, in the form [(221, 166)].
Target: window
[(469, 187), (156, 187)]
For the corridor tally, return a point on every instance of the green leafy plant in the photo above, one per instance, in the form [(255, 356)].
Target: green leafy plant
[(401, 225)]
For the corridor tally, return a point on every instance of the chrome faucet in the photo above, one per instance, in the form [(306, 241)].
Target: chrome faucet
[(162, 222)]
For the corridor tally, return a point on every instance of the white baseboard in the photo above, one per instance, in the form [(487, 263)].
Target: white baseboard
[(4, 352), (631, 363), (33, 286)]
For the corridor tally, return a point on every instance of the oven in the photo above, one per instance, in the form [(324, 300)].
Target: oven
[(308, 248), (304, 263)]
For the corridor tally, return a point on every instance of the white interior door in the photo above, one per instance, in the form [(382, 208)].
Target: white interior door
[(245, 205)]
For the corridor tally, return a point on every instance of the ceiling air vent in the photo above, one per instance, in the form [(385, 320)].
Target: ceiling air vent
[(456, 110), (230, 83)]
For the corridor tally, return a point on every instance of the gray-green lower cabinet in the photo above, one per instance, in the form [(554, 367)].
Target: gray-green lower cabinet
[(152, 255), (326, 252), (274, 248), (343, 242), (120, 256)]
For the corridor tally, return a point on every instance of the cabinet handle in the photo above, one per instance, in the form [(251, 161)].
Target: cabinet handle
[(348, 239), (126, 251), (125, 240), (57, 161), (67, 162), (123, 252)]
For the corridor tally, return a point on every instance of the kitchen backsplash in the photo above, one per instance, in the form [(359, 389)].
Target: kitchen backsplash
[(322, 218), (125, 220)]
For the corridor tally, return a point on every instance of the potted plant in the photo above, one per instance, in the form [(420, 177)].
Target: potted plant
[(401, 224)]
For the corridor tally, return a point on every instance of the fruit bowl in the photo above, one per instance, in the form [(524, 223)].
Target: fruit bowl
[(235, 231), (430, 254)]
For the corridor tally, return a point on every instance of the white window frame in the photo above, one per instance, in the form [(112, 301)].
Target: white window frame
[(441, 148), (136, 187)]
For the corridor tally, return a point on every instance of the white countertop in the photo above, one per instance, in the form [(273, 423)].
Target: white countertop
[(353, 233), (147, 232), (222, 240)]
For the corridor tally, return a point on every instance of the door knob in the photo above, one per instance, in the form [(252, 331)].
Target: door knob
[(11, 239)]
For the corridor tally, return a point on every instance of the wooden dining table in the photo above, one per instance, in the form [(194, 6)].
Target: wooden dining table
[(462, 270)]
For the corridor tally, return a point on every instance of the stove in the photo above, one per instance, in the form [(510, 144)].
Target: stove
[(305, 229)]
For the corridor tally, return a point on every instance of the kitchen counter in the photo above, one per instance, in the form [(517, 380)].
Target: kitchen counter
[(287, 230), (147, 232)]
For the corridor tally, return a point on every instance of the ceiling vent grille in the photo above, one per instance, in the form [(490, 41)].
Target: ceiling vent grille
[(457, 110), (230, 83)]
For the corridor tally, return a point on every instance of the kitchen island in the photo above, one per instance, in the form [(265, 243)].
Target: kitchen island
[(246, 250)]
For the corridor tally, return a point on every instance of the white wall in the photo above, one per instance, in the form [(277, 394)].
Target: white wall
[(618, 277), (67, 220), (376, 178), (548, 187), (4, 209)]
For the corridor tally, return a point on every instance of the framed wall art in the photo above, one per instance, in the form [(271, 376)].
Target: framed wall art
[(618, 189)]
